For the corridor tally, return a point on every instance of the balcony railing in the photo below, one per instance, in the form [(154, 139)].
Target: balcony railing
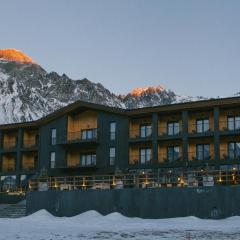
[(141, 133), (201, 156), (229, 125), (168, 158), (169, 132), (168, 179), (230, 155), (140, 159), (83, 135), (203, 129)]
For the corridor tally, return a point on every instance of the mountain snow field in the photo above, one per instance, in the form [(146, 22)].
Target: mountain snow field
[(92, 225)]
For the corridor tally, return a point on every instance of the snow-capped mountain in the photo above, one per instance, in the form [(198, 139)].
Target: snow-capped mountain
[(153, 96), (28, 92)]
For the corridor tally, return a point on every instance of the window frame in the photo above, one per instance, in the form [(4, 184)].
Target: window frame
[(53, 139), (202, 152), (146, 157), (175, 154), (235, 123), (112, 157), (146, 129), (202, 125), (175, 130), (113, 132), (51, 160)]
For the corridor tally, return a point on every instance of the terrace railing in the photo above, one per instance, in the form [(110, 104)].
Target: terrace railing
[(143, 180)]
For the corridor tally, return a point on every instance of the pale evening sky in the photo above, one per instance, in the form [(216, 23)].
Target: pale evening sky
[(191, 47)]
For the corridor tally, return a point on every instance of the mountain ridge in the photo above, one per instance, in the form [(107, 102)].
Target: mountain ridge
[(28, 92)]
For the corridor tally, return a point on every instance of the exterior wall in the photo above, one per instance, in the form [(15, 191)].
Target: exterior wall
[(104, 142), (204, 202), (45, 146)]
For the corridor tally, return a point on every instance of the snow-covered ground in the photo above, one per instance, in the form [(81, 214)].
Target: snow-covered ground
[(92, 225)]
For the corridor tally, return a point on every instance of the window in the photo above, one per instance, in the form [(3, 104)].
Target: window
[(53, 136), (233, 123), (113, 130), (88, 159), (173, 153), (202, 151), (173, 128), (202, 125), (234, 150), (145, 131), (145, 155), (52, 159), (89, 134), (112, 154)]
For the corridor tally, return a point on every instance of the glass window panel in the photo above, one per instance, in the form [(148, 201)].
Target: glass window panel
[(199, 126), (84, 134), (237, 151), (206, 125), (206, 151), (89, 134), (176, 128), (149, 131), (54, 133), (142, 156), (83, 160), (53, 136), (112, 130), (199, 152), (237, 123), (113, 127), (231, 150), (89, 160), (148, 154), (230, 123), (170, 129), (143, 131)]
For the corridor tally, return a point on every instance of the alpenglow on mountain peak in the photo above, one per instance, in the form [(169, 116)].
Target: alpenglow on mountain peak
[(12, 54)]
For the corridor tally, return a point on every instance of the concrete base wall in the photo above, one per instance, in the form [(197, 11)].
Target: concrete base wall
[(204, 202)]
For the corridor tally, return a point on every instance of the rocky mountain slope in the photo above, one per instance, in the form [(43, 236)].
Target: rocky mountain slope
[(28, 92)]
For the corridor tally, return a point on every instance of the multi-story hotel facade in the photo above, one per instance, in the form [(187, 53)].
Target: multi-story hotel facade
[(91, 139)]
